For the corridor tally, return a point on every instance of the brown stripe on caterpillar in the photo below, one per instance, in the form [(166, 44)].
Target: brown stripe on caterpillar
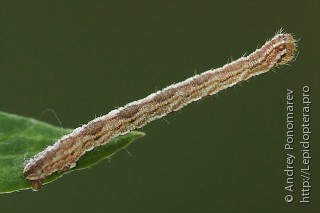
[(67, 150), (128, 111), (164, 95)]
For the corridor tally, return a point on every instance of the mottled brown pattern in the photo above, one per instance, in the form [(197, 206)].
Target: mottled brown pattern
[(128, 112), (67, 150), (199, 80), (166, 94), (95, 127)]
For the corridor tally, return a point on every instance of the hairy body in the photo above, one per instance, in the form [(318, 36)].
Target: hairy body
[(65, 152)]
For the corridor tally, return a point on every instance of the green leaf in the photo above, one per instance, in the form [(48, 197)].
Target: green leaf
[(21, 138)]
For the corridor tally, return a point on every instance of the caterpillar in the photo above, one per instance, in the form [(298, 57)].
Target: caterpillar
[(66, 151)]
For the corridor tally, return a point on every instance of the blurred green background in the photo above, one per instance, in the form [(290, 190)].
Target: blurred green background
[(224, 154)]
